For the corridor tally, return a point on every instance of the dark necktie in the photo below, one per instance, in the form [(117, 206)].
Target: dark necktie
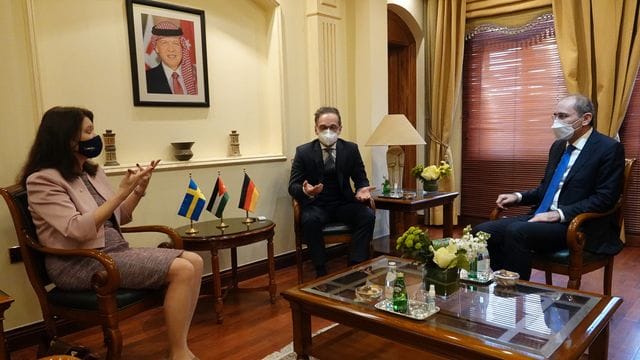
[(329, 162), (177, 88), (555, 181)]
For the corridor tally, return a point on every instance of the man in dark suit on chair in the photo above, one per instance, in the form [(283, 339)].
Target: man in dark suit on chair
[(320, 180), (584, 173)]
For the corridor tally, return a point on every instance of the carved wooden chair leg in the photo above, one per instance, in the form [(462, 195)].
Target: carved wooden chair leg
[(608, 275), (113, 339), (299, 262), (574, 282)]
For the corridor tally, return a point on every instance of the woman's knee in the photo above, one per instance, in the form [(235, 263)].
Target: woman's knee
[(181, 269), (194, 259)]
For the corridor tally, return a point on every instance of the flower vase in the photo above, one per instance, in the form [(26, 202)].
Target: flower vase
[(473, 269), (430, 185), (445, 281)]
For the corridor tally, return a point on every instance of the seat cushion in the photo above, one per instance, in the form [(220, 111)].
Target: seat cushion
[(88, 300), (336, 229), (562, 257)]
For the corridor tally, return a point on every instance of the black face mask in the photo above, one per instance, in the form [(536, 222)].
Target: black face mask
[(90, 148)]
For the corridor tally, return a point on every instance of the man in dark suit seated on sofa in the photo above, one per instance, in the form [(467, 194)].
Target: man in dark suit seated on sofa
[(584, 173), (320, 180)]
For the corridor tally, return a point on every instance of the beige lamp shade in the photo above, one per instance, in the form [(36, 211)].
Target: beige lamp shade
[(395, 129)]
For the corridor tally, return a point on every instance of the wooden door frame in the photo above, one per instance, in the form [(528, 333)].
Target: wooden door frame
[(402, 89)]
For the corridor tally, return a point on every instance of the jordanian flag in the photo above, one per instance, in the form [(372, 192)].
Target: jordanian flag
[(249, 196), (219, 198), (193, 202)]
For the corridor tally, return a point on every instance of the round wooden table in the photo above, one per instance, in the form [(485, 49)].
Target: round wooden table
[(210, 237)]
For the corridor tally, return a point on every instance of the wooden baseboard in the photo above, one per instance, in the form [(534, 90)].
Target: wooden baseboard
[(632, 239), (32, 334)]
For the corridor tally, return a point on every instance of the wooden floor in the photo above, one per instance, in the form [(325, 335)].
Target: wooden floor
[(253, 328)]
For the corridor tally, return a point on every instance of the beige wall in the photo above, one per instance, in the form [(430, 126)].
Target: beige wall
[(75, 52)]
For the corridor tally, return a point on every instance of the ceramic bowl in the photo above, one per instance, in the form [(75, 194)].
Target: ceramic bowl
[(506, 278), (369, 292)]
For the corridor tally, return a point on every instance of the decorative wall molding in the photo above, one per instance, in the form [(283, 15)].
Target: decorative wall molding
[(324, 20)]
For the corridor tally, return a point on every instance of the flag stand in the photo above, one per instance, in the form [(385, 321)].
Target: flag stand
[(191, 230), (247, 219), (222, 224)]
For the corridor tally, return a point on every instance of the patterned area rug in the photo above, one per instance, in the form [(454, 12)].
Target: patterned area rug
[(287, 353)]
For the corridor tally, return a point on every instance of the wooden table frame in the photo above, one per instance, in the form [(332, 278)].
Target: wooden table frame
[(5, 303), (210, 238), (402, 212), (592, 332)]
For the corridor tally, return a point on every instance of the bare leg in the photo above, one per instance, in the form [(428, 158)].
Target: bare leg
[(179, 301), (196, 261)]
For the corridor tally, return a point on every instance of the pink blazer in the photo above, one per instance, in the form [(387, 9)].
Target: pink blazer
[(63, 211)]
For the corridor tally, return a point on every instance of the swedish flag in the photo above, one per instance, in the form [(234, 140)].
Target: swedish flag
[(193, 202)]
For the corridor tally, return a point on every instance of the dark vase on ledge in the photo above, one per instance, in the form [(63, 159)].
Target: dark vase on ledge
[(182, 150)]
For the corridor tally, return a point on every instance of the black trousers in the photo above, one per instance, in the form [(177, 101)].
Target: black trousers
[(360, 217), (513, 239)]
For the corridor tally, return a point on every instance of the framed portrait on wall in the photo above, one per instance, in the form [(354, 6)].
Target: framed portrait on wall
[(168, 54)]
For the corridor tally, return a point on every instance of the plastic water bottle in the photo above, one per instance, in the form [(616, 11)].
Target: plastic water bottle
[(390, 280), (400, 300), (431, 299), (484, 265)]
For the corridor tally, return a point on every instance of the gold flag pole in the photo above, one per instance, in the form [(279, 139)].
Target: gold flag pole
[(247, 219), (222, 225), (191, 230)]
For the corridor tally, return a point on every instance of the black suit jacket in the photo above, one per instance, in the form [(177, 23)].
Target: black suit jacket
[(157, 82), (309, 165), (593, 184)]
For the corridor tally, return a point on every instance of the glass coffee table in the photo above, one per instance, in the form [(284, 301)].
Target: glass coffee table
[(478, 321)]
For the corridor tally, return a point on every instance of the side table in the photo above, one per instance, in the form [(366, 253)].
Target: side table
[(402, 212), (210, 238), (5, 302)]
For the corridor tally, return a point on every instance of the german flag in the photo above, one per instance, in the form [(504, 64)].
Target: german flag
[(249, 195)]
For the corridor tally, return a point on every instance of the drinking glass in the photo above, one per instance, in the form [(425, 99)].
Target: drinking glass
[(418, 305)]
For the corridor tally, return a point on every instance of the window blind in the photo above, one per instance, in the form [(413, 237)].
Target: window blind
[(512, 81), (630, 137)]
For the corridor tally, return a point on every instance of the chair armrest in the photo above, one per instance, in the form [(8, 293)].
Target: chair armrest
[(176, 240), (296, 216), (575, 237), (495, 213), (104, 282), (372, 204)]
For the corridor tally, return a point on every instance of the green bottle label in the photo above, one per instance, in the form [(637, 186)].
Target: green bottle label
[(400, 294)]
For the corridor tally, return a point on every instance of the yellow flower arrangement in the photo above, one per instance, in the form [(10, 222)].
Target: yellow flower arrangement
[(445, 253), (431, 172)]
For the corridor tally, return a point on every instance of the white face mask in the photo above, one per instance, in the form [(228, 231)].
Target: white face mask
[(562, 130), (328, 137)]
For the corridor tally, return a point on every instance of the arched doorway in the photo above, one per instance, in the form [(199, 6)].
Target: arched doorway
[(401, 46)]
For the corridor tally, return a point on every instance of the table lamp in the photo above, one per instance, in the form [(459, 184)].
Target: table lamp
[(395, 130)]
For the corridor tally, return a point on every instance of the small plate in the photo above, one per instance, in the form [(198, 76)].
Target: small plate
[(464, 277), (391, 196), (386, 305)]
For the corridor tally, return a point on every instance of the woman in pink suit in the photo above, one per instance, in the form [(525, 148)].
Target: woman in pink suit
[(73, 206)]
